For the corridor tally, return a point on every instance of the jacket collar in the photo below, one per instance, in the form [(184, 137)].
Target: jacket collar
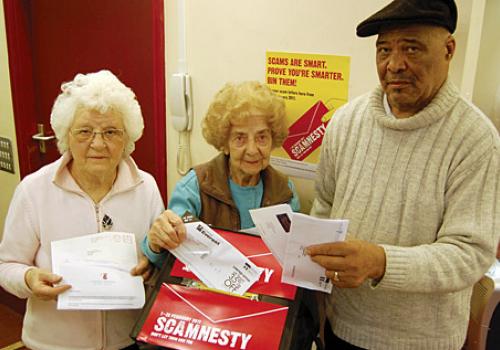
[(216, 183), (127, 178)]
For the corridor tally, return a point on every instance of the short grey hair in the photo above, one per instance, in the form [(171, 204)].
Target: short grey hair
[(101, 91)]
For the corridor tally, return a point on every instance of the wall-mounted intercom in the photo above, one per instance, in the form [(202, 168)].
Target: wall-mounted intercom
[(180, 102)]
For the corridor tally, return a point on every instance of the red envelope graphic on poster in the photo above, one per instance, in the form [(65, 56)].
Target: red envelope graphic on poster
[(186, 318), (306, 134), (256, 250)]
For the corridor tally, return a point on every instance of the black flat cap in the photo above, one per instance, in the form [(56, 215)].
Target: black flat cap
[(441, 13)]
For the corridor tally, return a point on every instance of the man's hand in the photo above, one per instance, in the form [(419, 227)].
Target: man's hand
[(348, 264), (143, 268), (42, 283), (167, 232)]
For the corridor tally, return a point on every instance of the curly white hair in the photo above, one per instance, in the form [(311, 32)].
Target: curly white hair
[(99, 91)]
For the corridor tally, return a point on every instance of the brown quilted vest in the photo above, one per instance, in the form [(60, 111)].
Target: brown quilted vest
[(217, 205)]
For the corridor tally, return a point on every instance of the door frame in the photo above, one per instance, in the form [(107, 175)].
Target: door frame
[(21, 70)]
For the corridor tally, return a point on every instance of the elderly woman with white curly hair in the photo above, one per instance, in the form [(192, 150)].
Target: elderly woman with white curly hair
[(93, 186)]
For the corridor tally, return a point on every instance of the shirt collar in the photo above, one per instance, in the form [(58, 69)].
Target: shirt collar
[(387, 108)]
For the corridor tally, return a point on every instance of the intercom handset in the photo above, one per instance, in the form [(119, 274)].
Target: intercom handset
[(179, 92)]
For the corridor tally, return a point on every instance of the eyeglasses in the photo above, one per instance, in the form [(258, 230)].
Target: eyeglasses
[(87, 134)]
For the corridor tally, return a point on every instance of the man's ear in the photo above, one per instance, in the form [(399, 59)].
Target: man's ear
[(450, 47)]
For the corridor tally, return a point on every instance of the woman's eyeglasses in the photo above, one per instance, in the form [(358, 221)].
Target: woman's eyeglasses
[(87, 134)]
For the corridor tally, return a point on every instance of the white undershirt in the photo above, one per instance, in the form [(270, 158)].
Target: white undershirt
[(387, 107)]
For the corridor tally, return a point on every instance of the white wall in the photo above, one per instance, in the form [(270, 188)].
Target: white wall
[(8, 181), (487, 82), (226, 40)]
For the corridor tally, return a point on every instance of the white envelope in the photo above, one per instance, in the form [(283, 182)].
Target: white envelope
[(273, 224), (306, 230)]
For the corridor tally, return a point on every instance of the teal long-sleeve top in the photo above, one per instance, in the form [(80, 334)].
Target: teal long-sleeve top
[(186, 197)]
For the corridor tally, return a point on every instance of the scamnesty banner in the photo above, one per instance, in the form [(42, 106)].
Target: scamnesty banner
[(191, 319), (313, 86)]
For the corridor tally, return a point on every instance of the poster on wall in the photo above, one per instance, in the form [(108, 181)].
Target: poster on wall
[(313, 86)]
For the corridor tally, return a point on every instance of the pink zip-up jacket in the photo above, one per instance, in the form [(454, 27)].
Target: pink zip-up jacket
[(48, 205)]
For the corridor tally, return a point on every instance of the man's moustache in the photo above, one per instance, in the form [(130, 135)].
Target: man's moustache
[(400, 80)]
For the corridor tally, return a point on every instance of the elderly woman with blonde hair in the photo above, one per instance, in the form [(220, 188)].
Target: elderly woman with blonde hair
[(93, 187), (245, 122)]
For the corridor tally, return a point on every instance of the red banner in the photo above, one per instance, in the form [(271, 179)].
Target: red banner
[(187, 318), (255, 249)]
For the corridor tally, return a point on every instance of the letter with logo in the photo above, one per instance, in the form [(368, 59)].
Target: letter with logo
[(256, 251), (97, 266), (220, 265)]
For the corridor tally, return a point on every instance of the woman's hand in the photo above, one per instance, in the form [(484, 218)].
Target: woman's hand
[(143, 268), (167, 232), (42, 283)]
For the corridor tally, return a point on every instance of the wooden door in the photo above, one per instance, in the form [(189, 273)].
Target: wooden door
[(50, 41)]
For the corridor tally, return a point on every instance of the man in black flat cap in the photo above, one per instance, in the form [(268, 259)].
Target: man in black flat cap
[(416, 170)]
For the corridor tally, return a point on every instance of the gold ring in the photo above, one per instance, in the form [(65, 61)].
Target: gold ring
[(336, 276)]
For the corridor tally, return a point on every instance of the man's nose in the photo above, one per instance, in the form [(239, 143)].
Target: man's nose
[(396, 62)]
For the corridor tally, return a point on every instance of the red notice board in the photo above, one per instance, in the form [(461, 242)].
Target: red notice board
[(185, 318)]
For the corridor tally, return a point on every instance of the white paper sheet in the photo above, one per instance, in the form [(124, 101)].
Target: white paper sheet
[(215, 261), (287, 234), (97, 266), (298, 268), (251, 231), (494, 271), (273, 224)]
